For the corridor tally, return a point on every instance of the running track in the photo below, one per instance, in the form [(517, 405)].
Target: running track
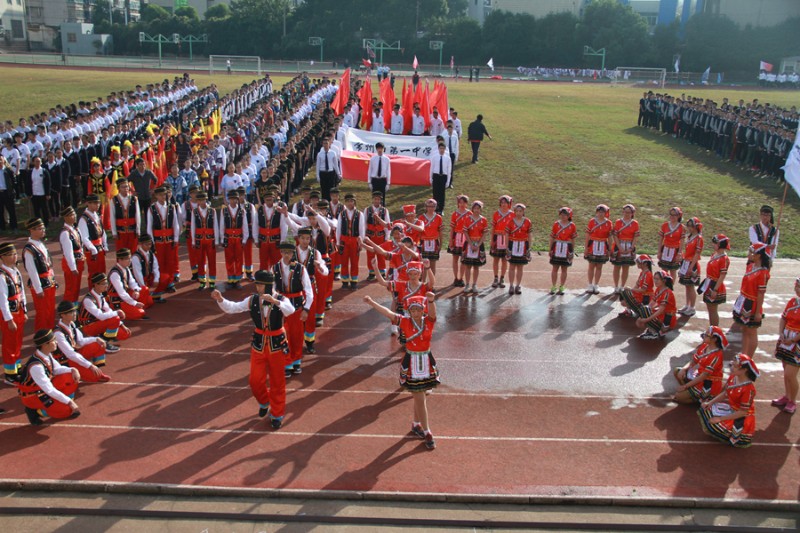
[(542, 396)]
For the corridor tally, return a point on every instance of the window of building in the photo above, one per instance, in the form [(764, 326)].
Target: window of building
[(72, 38), (16, 29)]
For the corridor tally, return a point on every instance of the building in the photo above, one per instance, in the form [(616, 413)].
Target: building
[(79, 38), (201, 6), (756, 13), (12, 25), (45, 18)]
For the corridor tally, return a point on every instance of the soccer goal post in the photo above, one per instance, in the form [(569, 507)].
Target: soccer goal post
[(652, 77), (231, 64)]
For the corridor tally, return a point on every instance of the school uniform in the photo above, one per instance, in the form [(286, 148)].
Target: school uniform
[(754, 281), (562, 251), (121, 287), (440, 178), (75, 350), (163, 225), (351, 231), (430, 243), (379, 174), (599, 233), (622, 249), (98, 319), (717, 266), (146, 272), (789, 351), (293, 282), (457, 238), (46, 386), (125, 221), (671, 241), (377, 222), (474, 252), (694, 248), (205, 238), (519, 235), (233, 232), (270, 229), (94, 241)]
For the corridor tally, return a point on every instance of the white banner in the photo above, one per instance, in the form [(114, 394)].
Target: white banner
[(422, 147), (792, 168)]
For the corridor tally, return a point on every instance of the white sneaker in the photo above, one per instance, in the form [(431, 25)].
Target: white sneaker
[(682, 309), (590, 288), (689, 311), (596, 289)]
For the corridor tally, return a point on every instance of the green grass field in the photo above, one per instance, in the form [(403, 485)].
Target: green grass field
[(554, 144)]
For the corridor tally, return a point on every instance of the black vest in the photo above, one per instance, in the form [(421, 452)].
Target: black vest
[(44, 266), (293, 285), (14, 289), (265, 323)]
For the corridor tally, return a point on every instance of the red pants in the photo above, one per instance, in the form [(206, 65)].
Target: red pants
[(378, 239), (127, 239), (247, 247), (12, 343), (268, 255), (131, 312), (166, 259), (95, 354), (175, 263), (324, 289), (350, 259), (63, 383), (294, 336), (95, 264), (194, 256), (145, 297), (234, 256), (72, 282), (207, 254), (110, 328), (45, 306), (268, 365)]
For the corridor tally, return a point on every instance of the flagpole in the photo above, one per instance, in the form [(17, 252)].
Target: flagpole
[(783, 201)]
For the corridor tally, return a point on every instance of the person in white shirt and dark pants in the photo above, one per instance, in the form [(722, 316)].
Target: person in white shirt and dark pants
[(451, 141), (441, 171), (379, 174), (329, 171), (37, 186)]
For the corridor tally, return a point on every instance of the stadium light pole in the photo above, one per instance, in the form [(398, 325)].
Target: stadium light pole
[(318, 41)]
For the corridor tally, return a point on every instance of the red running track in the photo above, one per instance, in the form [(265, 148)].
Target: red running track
[(541, 396)]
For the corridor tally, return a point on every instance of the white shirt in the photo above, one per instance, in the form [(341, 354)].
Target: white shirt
[(138, 269), (268, 212), (39, 376), (162, 210), (346, 215), (451, 141), (765, 232), (80, 341), (307, 289), (386, 169), (230, 182), (126, 202), (30, 266), (243, 306), (83, 229), (397, 124), (441, 162), (66, 248), (116, 281), (233, 211), (328, 161), (17, 277), (417, 125), (214, 224), (103, 312), (437, 126), (378, 123), (37, 181)]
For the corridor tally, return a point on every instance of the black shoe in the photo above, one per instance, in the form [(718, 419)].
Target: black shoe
[(417, 430), (328, 305), (336, 277), (287, 373), (250, 277), (297, 370), (345, 284), (160, 300), (202, 286), (319, 322), (75, 414), (145, 317), (353, 285), (172, 289), (194, 277), (429, 442), (263, 411), (276, 423), (310, 347), (33, 417), (371, 277), (111, 348)]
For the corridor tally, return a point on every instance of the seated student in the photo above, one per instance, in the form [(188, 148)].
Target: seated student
[(86, 354), (634, 298), (701, 378), (47, 388), (144, 265), (98, 319), (730, 416), (660, 316), (124, 292)]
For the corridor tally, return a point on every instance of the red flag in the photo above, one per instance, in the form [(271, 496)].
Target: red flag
[(343, 94), (367, 63), (425, 108), (408, 107), (405, 170), (765, 66), (365, 100), (388, 99)]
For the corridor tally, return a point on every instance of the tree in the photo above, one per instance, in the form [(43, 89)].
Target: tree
[(505, 37), (554, 43), (154, 12), (619, 29), (189, 13), (710, 39), (101, 16), (219, 11), (665, 45)]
